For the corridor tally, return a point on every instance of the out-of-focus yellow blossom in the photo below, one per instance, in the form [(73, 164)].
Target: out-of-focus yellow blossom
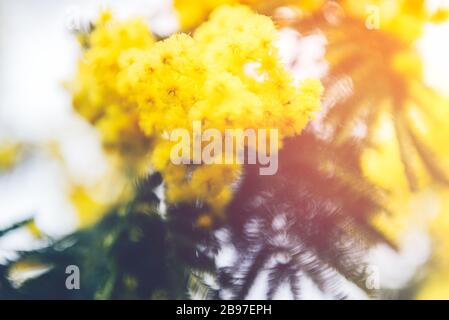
[(382, 164), (429, 122), (227, 76), (408, 112), (92, 201), (386, 68), (428, 207), (24, 270), (440, 16), (9, 154), (386, 74), (204, 221), (403, 18), (426, 116), (311, 5), (407, 63), (34, 229), (431, 125), (88, 209), (436, 285), (385, 29), (192, 13), (95, 95)]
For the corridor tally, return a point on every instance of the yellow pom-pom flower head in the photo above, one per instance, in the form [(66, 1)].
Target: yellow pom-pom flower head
[(225, 76)]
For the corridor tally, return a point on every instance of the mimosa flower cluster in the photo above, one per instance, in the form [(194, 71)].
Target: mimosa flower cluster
[(227, 75)]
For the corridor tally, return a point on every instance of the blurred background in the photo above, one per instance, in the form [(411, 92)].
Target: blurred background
[(60, 152)]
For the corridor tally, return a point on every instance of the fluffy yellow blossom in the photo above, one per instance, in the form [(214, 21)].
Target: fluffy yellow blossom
[(226, 76), (95, 94)]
